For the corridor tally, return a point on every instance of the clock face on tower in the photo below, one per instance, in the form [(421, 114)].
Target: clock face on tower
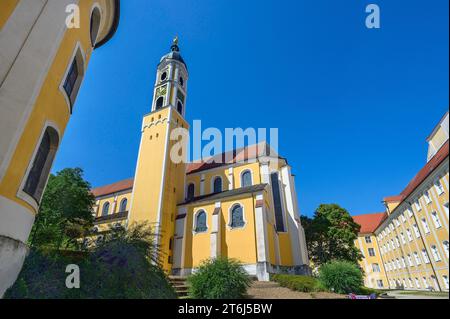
[(161, 91)]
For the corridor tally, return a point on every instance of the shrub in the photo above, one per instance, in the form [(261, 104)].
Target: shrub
[(121, 267), (298, 283), (341, 277), (219, 278)]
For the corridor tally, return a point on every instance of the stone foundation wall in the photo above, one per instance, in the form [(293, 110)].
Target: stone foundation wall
[(12, 256)]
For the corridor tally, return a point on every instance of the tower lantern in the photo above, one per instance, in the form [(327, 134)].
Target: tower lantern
[(171, 81)]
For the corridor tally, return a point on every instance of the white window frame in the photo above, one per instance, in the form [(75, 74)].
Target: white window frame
[(426, 196), (425, 226), (425, 257), (445, 244), (435, 252), (436, 220), (194, 222), (438, 186), (230, 210), (416, 230), (251, 176), (78, 52)]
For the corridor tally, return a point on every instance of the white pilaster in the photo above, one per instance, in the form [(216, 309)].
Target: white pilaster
[(202, 184), (215, 236), (292, 215), (230, 178)]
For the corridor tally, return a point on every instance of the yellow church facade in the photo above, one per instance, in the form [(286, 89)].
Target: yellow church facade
[(241, 204), (411, 238), (45, 48)]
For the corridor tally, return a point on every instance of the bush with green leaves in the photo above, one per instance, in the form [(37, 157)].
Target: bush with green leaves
[(123, 266), (296, 282), (219, 278), (341, 277)]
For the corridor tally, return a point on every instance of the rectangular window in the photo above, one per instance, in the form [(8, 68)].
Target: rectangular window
[(417, 204), (425, 256), (416, 230), (380, 284), (375, 268), (279, 220), (425, 226), (427, 197), (371, 252), (436, 220), (446, 209), (438, 186), (408, 233), (368, 239)]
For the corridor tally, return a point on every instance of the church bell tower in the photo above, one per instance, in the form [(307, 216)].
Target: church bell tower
[(159, 180)]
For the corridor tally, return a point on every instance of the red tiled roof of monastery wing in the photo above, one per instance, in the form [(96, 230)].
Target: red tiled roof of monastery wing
[(432, 164), (395, 198), (429, 167), (113, 188), (234, 156), (369, 222)]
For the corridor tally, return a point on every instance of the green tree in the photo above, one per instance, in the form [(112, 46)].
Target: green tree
[(330, 235), (65, 213)]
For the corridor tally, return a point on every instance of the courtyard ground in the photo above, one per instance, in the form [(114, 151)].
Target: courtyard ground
[(272, 290), (402, 294)]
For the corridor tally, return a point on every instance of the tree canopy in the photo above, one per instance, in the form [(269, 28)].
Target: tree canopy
[(65, 213), (330, 235)]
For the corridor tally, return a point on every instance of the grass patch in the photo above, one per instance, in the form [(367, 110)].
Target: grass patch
[(298, 283)]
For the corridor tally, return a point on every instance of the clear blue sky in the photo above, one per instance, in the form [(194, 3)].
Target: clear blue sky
[(353, 105)]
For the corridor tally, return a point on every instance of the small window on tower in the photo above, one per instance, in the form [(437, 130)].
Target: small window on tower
[(159, 103), (180, 107), (164, 76), (181, 81)]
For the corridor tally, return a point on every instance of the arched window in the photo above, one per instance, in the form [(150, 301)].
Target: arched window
[(73, 78), (95, 25), (200, 222), (190, 192), (237, 216), (180, 107), (217, 186), (105, 210), (42, 163), (123, 205), (159, 102), (246, 179)]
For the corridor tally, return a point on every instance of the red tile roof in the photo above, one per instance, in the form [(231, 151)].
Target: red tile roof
[(369, 222), (113, 188), (234, 156), (429, 167)]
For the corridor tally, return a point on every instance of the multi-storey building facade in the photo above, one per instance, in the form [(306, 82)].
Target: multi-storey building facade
[(241, 204), (45, 47), (413, 238), (375, 275)]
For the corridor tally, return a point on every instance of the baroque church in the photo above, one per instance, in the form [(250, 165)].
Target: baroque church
[(241, 204)]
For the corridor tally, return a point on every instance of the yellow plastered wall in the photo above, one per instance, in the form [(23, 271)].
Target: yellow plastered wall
[(157, 175), (371, 277), (238, 243), (223, 173), (50, 105), (6, 9)]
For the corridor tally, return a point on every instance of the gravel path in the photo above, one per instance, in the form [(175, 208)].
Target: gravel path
[(272, 290)]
